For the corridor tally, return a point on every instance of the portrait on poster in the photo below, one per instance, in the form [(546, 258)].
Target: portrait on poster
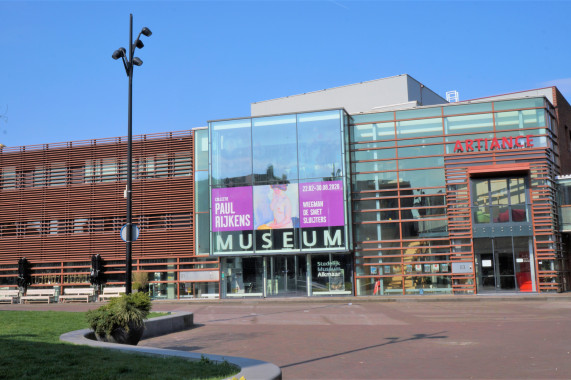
[(276, 206)]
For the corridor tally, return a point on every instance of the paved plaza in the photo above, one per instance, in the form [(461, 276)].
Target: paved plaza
[(351, 338)]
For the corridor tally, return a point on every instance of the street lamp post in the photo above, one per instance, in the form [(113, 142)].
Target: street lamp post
[(128, 63)]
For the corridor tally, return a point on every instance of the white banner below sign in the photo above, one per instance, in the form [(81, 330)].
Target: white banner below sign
[(194, 276)]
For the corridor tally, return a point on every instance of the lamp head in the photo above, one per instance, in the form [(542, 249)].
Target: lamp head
[(137, 61), (146, 31), (118, 53), (139, 44)]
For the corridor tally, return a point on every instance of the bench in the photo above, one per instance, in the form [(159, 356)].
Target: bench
[(111, 293), (9, 295), (212, 295), (77, 294), (39, 295)]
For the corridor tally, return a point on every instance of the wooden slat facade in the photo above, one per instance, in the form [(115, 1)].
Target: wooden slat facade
[(64, 202)]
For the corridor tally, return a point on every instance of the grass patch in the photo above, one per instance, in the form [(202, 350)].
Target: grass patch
[(30, 349), (154, 314)]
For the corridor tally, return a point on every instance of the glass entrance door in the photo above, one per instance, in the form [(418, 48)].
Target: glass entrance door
[(485, 265), (242, 277), (504, 264), (286, 276)]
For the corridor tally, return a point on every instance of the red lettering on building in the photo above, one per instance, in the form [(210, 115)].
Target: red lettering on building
[(469, 147), (495, 144), (508, 142)]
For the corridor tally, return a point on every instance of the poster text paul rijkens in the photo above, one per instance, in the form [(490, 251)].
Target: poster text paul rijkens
[(232, 209), (226, 217)]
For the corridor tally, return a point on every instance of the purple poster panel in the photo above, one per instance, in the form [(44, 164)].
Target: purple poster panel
[(321, 204), (232, 209)]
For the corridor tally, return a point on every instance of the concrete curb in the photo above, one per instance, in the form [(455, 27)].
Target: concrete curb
[(251, 369), (176, 321)]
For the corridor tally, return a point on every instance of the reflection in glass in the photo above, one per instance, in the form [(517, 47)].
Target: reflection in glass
[(499, 191), (469, 123), (201, 149), (519, 103), (201, 199), (319, 144), (274, 148), (377, 232), (202, 233), (427, 284), (517, 191), (374, 166), (419, 128), (374, 181), (271, 156), (286, 276), (467, 108), (416, 163), (422, 150), (374, 154), (373, 132), (499, 200), (422, 178), (231, 152), (242, 277)]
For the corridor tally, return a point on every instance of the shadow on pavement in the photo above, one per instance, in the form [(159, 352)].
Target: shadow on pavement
[(391, 340)]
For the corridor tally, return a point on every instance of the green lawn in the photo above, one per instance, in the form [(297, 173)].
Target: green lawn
[(30, 349)]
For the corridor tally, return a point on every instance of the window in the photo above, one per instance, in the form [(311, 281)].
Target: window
[(9, 177), (275, 149), (182, 164), (39, 176), (231, 152), (58, 174), (319, 144), (500, 200)]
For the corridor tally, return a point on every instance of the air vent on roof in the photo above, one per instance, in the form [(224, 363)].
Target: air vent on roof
[(452, 96)]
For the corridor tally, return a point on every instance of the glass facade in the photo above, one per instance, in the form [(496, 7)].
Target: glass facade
[(426, 185), (279, 205), (287, 275), (278, 184)]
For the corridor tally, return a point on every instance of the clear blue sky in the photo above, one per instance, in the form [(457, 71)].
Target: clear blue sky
[(210, 60)]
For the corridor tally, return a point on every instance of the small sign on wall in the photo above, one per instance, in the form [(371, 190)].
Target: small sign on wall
[(462, 268), (193, 276)]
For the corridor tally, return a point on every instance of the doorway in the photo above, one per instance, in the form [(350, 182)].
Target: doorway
[(504, 264), (286, 276)]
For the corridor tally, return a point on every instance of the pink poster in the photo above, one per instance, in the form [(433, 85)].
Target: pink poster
[(232, 209), (321, 204)]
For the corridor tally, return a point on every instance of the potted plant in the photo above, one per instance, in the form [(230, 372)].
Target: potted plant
[(122, 319)]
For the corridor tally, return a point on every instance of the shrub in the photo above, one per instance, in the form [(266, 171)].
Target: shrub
[(140, 280), (122, 312)]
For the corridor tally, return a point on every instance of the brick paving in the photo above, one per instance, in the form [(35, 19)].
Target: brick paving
[(352, 338)]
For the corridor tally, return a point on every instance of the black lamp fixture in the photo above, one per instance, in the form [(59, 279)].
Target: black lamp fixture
[(128, 62)]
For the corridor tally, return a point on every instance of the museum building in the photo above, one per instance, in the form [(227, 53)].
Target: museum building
[(380, 188)]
